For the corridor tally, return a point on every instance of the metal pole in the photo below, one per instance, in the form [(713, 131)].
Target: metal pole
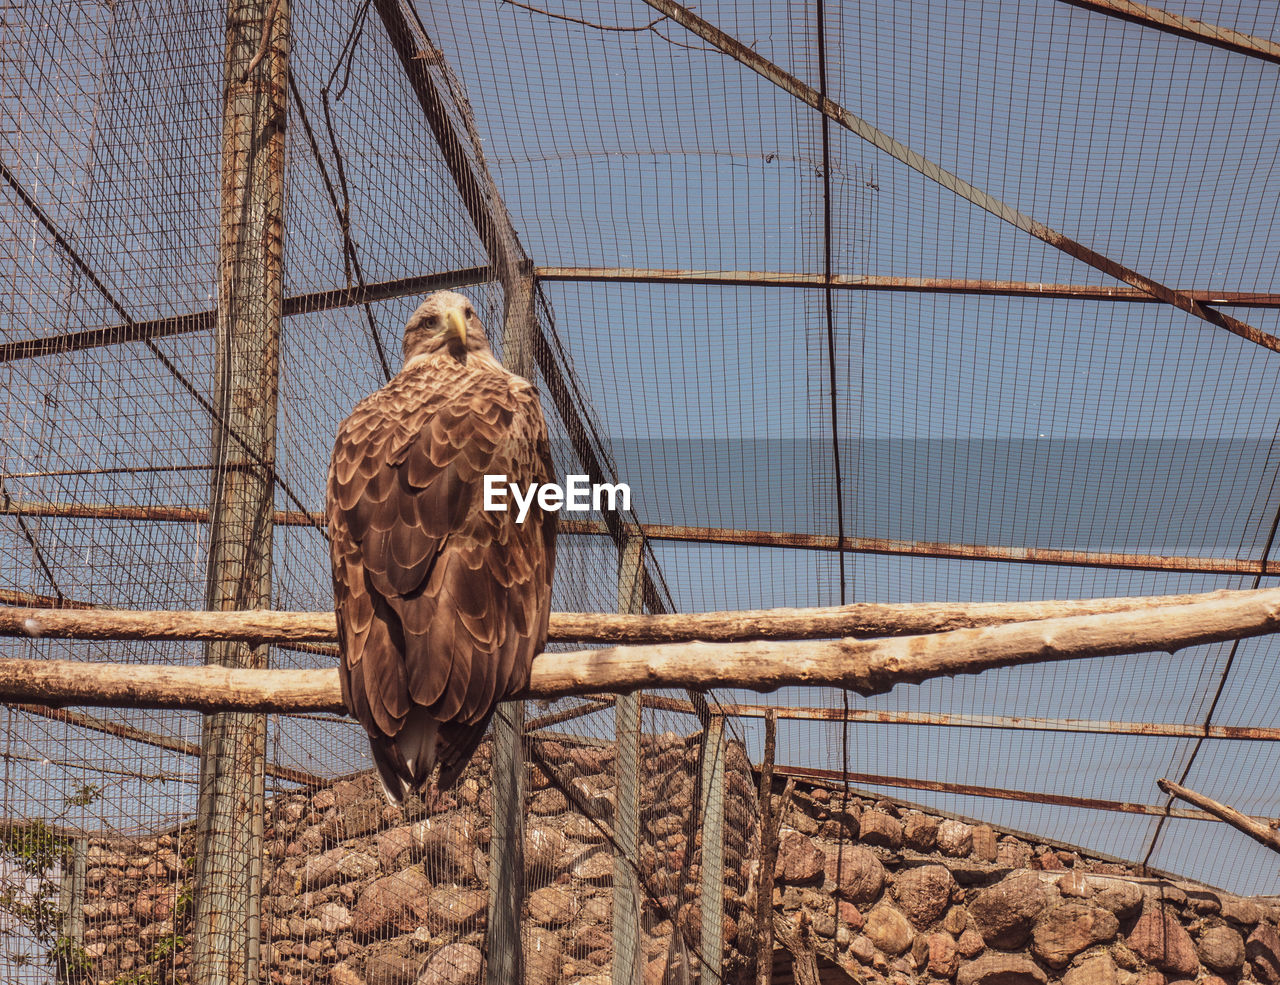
[(627, 959), (229, 824), (711, 951), (506, 868)]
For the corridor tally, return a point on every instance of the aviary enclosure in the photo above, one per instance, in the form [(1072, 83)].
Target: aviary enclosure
[(908, 316)]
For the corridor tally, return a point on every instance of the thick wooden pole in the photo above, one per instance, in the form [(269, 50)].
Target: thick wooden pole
[(1262, 833), (506, 848), (711, 951), (628, 960), (229, 822)]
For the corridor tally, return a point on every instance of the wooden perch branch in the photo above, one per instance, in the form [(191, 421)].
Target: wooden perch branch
[(866, 666), (1242, 822), (76, 620)]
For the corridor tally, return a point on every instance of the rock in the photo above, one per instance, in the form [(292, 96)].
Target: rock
[(545, 849), (1160, 939), (1005, 912), (1013, 853), (581, 829), (1124, 957), (448, 845), (594, 866), (1096, 970), (970, 943), (543, 955), (1241, 911), (879, 828), (984, 843), (1062, 932), (955, 838), (849, 915), (862, 949), (1121, 898), (924, 892), (1000, 969), (453, 964), (888, 929), (342, 974), (397, 847), (598, 795), (1221, 948), (921, 832), (334, 918), (549, 801), (337, 865), (552, 906), (860, 874), (942, 957), (392, 963), (956, 919), (1263, 949), (452, 907), (799, 859), (385, 901), (1074, 884)]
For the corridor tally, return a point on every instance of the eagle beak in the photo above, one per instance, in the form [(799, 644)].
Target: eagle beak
[(455, 324)]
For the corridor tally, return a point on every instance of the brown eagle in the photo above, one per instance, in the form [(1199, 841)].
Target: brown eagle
[(441, 605)]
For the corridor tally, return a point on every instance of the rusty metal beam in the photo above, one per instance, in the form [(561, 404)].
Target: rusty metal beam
[(1184, 27), (1177, 730), (917, 285), (721, 535), (202, 321), (135, 734), (996, 793), (917, 162)]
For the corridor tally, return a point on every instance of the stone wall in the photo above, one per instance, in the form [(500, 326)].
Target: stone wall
[(893, 894), (358, 893)]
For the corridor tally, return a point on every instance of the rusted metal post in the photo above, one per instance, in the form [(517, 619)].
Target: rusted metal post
[(627, 958), (229, 822), (711, 951), (506, 848)]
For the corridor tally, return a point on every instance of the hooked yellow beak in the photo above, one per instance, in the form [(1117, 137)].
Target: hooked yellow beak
[(455, 324)]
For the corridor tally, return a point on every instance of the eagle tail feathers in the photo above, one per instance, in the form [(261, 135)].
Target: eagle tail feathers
[(405, 762)]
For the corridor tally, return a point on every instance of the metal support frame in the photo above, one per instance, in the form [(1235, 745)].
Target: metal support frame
[(231, 805), (753, 60), (1184, 27), (628, 960)]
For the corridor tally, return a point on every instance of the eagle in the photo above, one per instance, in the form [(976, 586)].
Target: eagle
[(441, 605)]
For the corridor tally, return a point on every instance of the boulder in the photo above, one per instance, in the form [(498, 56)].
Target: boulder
[(1160, 939), (856, 874), (1121, 898), (1004, 913), (879, 828), (920, 832), (888, 929), (392, 963), (1263, 950), (454, 964), (386, 901), (450, 908), (1096, 970), (942, 958), (955, 838), (799, 859), (984, 843), (1062, 932), (924, 893), (552, 906), (1221, 948), (543, 955), (1000, 969)]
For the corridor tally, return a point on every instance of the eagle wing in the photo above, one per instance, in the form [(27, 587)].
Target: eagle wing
[(441, 605)]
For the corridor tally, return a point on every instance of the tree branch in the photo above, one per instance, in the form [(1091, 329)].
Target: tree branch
[(866, 666), (76, 620), (1242, 822)]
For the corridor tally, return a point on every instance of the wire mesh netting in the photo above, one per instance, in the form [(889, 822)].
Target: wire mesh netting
[(704, 245)]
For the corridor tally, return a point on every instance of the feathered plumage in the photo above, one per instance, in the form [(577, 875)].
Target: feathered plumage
[(441, 606)]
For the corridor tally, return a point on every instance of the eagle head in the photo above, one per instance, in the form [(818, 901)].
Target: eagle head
[(445, 322)]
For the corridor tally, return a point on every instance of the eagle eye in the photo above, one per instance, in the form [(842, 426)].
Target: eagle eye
[(470, 312)]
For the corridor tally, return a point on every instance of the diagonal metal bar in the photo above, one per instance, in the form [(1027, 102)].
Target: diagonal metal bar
[(936, 173), (202, 321), (1184, 27)]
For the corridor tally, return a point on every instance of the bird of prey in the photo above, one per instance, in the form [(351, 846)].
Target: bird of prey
[(441, 605)]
